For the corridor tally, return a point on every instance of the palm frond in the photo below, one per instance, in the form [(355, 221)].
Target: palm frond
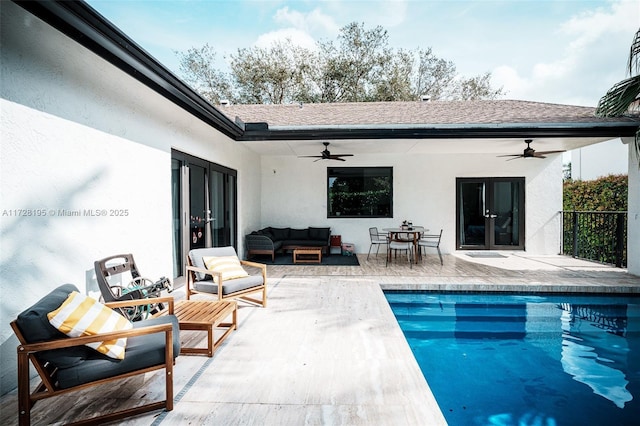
[(620, 98), (634, 55)]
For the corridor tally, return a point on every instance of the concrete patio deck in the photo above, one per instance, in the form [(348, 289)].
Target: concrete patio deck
[(327, 350)]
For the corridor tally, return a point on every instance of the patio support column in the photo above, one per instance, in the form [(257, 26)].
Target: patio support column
[(633, 218)]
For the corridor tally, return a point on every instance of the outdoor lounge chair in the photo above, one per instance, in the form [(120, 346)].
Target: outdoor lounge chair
[(238, 285), (65, 364)]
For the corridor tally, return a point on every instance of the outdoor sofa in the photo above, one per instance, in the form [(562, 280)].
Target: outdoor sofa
[(271, 240)]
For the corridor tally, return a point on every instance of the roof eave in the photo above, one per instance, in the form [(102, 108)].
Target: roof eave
[(83, 24), (471, 131)]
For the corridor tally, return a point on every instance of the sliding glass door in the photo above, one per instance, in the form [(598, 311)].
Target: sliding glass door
[(490, 213), (204, 206)]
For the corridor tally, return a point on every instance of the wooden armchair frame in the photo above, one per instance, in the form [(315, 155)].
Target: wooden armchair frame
[(191, 271), (48, 387)]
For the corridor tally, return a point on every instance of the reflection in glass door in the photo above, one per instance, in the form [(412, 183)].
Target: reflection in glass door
[(490, 213), (204, 206)]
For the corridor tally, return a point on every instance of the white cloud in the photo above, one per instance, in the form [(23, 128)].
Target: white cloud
[(297, 37), (314, 21), (592, 61)]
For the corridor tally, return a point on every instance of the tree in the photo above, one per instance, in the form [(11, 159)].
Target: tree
[(624, 96), (350, 67), (271, 76), (357, 67), (197, 67)]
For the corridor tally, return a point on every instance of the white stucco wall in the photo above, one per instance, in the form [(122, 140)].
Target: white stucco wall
[(424, 192), (633, 218), (80, 135)]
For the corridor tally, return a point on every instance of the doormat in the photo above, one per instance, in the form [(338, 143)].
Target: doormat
[(487, 254), (287, 259)]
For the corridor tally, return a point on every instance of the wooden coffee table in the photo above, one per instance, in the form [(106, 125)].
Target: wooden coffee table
[(205, 315), (307, 255)]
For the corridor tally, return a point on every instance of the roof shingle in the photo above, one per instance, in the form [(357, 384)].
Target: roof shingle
[(417, 113)]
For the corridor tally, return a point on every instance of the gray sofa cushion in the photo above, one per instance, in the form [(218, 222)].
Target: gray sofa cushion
[(298, 234), (304, 243)]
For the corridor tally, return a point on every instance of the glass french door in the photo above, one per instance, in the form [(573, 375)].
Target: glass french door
[(204, 206), (490, 213)]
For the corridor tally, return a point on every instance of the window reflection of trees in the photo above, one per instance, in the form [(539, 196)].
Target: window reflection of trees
[(360, 192)]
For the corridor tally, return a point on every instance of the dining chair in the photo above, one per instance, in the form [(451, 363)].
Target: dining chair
[(400, 243), (377, 239), (431, 241)]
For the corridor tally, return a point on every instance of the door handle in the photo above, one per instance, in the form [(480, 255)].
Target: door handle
[(209, 218), (490, 216)]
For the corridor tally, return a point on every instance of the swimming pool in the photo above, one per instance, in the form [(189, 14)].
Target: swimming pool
[(526, 359)]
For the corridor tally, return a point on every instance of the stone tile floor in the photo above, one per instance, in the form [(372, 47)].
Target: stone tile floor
[(327, 349)]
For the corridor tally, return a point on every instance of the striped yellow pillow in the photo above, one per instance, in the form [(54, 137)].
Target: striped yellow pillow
[(228, 266), (82, 315)]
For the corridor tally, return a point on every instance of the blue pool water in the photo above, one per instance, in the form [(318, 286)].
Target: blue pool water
[(526, 359)]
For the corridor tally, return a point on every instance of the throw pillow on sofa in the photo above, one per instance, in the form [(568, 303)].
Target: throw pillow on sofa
[(279, 234), (319, 234)]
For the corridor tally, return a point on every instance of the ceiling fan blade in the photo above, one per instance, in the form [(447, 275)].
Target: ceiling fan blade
[(515, 157), (510, 155), (550, 152), (341, 155)]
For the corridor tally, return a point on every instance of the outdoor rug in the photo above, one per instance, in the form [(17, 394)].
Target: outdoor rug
[(287, 259), (486, 254)]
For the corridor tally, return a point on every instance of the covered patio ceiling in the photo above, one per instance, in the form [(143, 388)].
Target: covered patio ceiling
[(495, 146)]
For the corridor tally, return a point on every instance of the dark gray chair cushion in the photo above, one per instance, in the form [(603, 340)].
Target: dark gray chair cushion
[(142, 352), (35, 327), (81, 364)]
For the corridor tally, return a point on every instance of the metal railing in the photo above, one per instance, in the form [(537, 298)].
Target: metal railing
[(597, 236)]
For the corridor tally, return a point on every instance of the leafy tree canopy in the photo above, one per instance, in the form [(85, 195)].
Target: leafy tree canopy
[(358, 66)]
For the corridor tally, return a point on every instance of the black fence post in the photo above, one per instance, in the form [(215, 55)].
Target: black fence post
[(575, 233), (619, 239)]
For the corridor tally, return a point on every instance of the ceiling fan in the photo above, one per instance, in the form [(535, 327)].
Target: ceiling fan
[(530, 152), (326, 155)]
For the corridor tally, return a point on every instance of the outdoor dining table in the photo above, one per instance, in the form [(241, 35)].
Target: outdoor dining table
[(414, 232)]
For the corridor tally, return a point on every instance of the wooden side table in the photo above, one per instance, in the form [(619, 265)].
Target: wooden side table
[(308, 255), (205, 315)]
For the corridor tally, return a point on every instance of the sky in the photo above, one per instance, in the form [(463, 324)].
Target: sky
[(558, 51)]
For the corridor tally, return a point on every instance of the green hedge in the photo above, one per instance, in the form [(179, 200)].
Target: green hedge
[(600, 236), (608, 193)]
